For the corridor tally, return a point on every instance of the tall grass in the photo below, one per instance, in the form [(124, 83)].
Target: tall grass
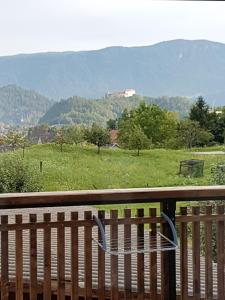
[(78, 168)]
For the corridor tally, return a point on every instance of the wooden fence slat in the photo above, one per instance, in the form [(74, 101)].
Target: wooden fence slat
[(153, 257), (4, 261), (114, 258), (47, 257), (196, 254), (140, 257), (19, 260), (74, 257), (208, 256), (82, 223), (127, 258), (220, 255), (88, 256), (61, 257), (183, 256), (101, 263), (33, 259)]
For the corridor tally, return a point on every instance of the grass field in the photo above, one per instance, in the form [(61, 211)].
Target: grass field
[(79, 168), (82, 168)]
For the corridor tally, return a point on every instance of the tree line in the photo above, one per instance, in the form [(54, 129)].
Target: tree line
[(151, 126), (146, 126)]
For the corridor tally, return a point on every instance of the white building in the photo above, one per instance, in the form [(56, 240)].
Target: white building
[(120, 94), (129, 93)]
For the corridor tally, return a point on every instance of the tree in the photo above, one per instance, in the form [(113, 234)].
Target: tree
[(17, 176), (158, 125), (14, 139), (134, 138), (188, 131), (217, 125), (61, 138), (204, 137), (112, 124), (200, 113), (98, 136), (25, 143), (191, 134), (2, 140), (75, 134)]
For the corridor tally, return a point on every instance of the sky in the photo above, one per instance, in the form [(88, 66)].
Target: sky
[(30, 26)]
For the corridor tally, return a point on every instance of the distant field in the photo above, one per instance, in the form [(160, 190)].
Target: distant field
[(82, 168), (79, 168)]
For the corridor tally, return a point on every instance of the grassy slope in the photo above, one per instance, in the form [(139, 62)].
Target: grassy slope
[(82, 168)]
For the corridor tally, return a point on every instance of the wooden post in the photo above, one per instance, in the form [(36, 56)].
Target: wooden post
[(140, 257), (101, 262), (168, 258), (184, 255), (4, 261), (41, 165), (196, 253), (33, 259), (114, 258)]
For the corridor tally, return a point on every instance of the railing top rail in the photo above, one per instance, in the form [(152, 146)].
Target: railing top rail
[(111, 196)]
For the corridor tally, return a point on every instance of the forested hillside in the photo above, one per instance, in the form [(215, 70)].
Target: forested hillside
[(21, 107), (83, 111), (179, 67)]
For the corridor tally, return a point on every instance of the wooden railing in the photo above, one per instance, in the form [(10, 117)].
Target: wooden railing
[(49, 252)]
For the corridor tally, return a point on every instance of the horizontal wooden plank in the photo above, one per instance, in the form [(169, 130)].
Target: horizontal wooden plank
[(120, 221), (111, 196)]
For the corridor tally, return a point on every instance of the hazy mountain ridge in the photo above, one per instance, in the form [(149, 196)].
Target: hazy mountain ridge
[(179, 67), (85, 111), (21, 107)]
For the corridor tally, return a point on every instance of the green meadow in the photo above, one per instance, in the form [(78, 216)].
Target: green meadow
[(78, 168), (81, 168)]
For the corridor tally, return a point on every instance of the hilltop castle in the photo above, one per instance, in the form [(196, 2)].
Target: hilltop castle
[(120, 94)]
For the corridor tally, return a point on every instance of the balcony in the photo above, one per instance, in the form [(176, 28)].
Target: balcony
[(49, 250)]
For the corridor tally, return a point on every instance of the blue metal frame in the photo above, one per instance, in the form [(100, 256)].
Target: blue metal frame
[(102, 233), (102, 230), (172, 227)]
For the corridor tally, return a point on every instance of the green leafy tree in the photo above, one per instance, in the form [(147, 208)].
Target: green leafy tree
[(134, 138), (62, 138), (204, 137), (217, 125), (200, 113), (75, 134), (190, 134), (17, 176), (112, 124), (14, 139), (158, 125), (98, 136)]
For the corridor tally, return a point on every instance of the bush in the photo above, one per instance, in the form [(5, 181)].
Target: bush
[(16, 176), (218, 174)]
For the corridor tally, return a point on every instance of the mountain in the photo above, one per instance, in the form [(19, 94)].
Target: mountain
[(178, 67), (85, 111), (21, 107)]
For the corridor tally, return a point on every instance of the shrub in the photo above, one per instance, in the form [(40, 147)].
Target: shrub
[(218, 174), (17, 176)]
